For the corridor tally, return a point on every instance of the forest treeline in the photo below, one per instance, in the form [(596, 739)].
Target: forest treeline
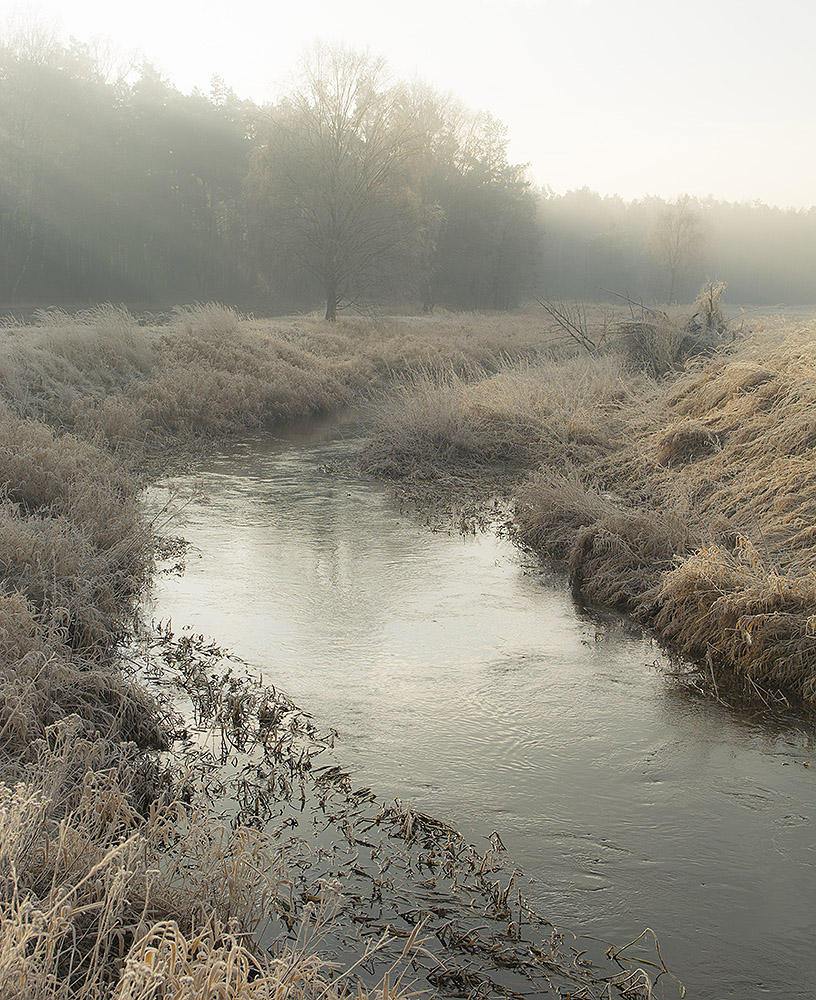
[(350, 190)]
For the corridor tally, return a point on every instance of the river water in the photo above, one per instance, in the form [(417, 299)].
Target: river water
[(463, 679)]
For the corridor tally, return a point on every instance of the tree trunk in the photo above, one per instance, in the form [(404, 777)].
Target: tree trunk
[(24, 268), (331, 301)]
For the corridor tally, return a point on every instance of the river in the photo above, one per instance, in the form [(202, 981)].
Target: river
[(461, 677)]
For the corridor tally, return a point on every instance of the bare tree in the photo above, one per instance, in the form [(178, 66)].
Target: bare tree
[(331, 181), (676, 241)]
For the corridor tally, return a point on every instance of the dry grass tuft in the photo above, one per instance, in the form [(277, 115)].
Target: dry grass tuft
[(44, 682), (72, 539), (685, 442), (521, 416), (729, 609), (707, 388), (213, 963), (74, 556), (654, 345), (615, 555)]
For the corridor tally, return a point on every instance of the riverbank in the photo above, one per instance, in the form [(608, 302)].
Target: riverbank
[(686, 500), (118, 880)]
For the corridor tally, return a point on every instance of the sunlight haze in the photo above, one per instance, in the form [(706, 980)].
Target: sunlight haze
[(629, 98), (430, 387)]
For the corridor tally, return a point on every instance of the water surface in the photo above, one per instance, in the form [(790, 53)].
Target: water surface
[(461, 678)]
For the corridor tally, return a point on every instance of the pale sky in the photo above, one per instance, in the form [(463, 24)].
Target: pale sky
[(628, 97)]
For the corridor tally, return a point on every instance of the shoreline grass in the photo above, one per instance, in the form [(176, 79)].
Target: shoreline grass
[(207, 372)]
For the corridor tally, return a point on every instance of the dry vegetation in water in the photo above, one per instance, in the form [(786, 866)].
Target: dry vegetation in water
[(688, 500), (117, 882)]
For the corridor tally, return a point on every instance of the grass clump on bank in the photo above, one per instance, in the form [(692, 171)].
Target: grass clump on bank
[(493, 429), (688, 500), (75, 556)]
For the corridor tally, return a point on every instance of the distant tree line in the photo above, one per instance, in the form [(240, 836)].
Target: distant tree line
[(111, 190), (351, 190), (654, 250)]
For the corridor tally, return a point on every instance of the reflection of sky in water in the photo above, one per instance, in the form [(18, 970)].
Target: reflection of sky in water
[(461, 682)]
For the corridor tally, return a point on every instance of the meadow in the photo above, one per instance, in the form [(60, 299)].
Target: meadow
[(680, 490)]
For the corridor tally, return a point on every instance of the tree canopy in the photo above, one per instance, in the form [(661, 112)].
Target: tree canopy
[(332, 182)]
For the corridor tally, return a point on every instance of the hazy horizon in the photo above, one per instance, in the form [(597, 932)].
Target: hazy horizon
[(628, 99)]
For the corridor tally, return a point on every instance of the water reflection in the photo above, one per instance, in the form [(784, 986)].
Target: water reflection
[(466, 683)]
